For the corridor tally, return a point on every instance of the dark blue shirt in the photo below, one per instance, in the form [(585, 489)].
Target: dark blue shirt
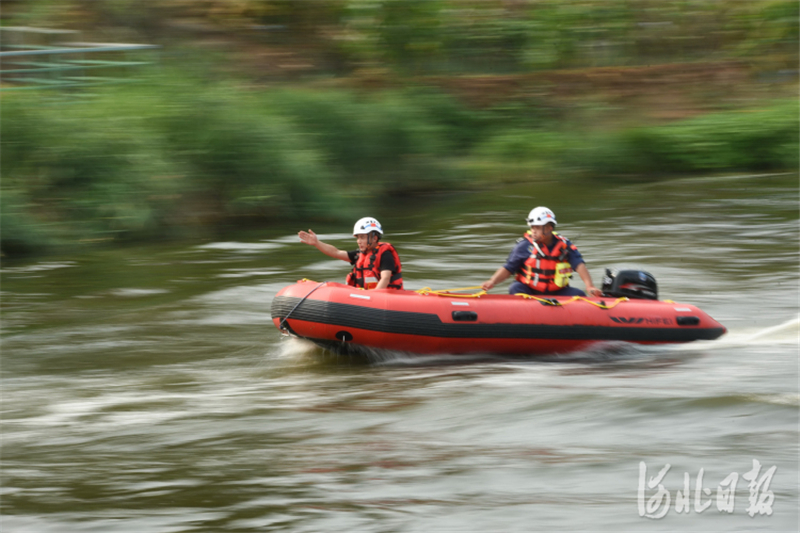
[(522, 251)]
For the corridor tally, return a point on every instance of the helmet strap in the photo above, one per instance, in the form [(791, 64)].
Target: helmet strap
[(372, 239)]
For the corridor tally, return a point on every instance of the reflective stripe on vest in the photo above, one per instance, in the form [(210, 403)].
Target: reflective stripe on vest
[(540, 270), (366, 270)]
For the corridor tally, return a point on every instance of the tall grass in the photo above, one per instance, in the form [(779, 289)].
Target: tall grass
[(178, 155), (746, 140), (750, 140)]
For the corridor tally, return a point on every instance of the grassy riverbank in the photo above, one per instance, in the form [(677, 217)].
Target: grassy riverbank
[(160, 159), (232, 137)]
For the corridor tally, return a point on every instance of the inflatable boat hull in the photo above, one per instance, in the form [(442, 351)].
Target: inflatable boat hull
[(345, 320)]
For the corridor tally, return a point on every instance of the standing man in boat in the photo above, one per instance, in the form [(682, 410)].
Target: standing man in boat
[(376, 264), (543, 261)]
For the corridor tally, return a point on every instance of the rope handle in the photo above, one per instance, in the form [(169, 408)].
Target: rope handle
[(451, 292), (549, 301)]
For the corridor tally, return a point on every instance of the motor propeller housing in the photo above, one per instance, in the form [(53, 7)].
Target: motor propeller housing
[(634, 284)]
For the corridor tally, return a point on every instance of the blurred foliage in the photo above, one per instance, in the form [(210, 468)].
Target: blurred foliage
[(745, 140), (377, 141), (390, 98), (155, 159), (148, 160), (754, 140), (445, 36), (517, 36)]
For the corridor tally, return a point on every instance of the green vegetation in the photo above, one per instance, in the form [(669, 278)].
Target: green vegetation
[(142, 162), (765, 139), (751, 140), (369, 100), (453, 36), (160, 158)]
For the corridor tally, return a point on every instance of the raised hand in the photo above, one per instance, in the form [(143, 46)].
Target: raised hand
[(308, 237)]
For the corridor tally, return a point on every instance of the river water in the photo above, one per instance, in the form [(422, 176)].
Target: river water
[(146, 389)]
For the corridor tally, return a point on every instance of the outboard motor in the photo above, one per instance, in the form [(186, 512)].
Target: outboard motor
[(634, 284)]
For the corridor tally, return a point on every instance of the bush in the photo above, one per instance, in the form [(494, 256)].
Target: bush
[(374, 143), (249, 159), (521, 146), (145, 161), (106, 177), (760, 140)]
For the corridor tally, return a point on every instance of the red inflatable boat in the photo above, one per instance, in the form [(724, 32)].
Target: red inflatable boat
[(344, 319)]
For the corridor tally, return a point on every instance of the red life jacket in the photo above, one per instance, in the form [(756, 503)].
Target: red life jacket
[(539, 270), (367, 269)]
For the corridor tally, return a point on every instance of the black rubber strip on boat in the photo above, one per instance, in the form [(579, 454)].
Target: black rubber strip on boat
[(430, 325)]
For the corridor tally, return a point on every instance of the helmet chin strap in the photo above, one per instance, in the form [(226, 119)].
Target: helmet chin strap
[(370, 239), (543, 238)]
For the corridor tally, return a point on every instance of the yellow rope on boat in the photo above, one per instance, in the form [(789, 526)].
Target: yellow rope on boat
[(450, 292), (548, 301), (553, 302)]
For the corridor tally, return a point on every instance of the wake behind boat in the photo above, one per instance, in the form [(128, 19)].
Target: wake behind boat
[(344, 319)]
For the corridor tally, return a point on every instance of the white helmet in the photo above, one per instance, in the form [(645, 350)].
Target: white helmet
[(539, 216), (367, 225)]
